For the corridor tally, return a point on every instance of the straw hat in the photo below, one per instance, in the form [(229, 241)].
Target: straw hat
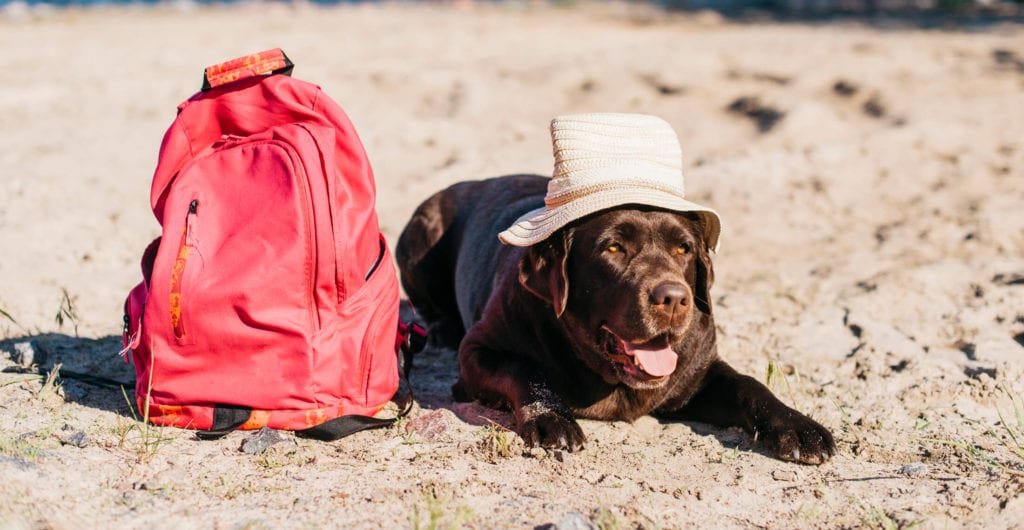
[(608, 160)]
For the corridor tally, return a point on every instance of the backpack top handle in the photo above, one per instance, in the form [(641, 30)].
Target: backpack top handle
[(267, 62)]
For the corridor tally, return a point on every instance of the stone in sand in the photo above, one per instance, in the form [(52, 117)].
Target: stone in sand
[(431, 425), (24, 354), (258, 442), (915, 469), (572, 521)]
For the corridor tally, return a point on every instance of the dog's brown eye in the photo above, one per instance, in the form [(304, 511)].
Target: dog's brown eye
[(614, 248), (680, 250)]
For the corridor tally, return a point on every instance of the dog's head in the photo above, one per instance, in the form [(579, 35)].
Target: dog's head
[(627, 285)]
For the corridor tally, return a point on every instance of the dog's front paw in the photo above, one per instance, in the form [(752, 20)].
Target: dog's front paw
[(794, 437), (539, 426)]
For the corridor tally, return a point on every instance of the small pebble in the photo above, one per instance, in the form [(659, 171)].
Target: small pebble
[(915, 469), (75, 391), (573, 521), (24, 354), (258, 442), (785, 475), (431, 425), (75, 438)]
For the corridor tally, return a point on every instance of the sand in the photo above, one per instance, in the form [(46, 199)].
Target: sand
[(873, 252)]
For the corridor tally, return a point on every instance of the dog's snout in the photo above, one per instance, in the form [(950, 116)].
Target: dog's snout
[(669, 295)]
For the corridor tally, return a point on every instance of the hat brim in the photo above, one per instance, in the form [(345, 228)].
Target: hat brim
[(537, 225)]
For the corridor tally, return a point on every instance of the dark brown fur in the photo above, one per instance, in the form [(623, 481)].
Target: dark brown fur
[(533, 326)]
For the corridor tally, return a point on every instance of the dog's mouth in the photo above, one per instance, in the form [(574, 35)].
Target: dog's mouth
[(649, 361)]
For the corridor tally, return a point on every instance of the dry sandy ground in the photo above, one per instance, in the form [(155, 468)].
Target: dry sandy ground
[(873, 252)]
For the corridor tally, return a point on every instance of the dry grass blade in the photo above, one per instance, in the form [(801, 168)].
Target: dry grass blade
[(150, 438), (51, 384), (22, 378), (875, 517), (776, 377), (976, 455), (435, 511), (8, 316), (67, 311), (1015, 428)]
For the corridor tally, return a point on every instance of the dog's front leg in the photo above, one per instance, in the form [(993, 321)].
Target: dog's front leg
[(499, 378), (732, 399)]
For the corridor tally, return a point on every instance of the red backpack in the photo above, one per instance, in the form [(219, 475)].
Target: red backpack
[(271, 298)]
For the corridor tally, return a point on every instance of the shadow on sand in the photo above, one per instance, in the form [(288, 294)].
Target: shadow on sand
[(434, 374), (78, 358), (436, 371)]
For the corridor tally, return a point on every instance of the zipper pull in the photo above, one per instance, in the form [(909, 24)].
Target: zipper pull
[(190, 223), (130, 341)]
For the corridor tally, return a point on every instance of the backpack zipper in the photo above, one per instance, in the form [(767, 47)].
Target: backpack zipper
[(380, 258), (307, 203), (177, 300)]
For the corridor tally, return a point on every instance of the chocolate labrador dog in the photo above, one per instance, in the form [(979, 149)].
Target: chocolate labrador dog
[(610, 318)]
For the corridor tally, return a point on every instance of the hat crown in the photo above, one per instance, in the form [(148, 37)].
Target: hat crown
[(610, 160), (595, 152)]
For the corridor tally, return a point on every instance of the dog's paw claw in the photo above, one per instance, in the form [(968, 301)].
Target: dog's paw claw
[(552, 430), (798, 438)]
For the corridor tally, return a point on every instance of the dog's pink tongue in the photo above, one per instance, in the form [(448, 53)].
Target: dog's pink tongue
[(659, 362)]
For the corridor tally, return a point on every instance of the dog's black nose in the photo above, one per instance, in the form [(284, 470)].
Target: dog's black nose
[(669, 294)]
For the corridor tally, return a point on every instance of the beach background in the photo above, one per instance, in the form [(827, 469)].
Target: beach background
[(869, 171)]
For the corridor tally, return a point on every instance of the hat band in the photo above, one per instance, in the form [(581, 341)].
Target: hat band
[(554, 200)]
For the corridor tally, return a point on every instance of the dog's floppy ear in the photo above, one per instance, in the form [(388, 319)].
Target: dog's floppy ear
[(543, 270), (705, 277)]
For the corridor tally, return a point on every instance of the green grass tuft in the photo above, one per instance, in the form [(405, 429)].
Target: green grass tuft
[(18, 448), (147, 438), (436, 511), (1014, 427), (495, 443)]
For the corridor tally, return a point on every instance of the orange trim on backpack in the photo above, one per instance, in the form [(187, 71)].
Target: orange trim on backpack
[(257, 419), (176, 279), (315, 417), (172, 415)]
